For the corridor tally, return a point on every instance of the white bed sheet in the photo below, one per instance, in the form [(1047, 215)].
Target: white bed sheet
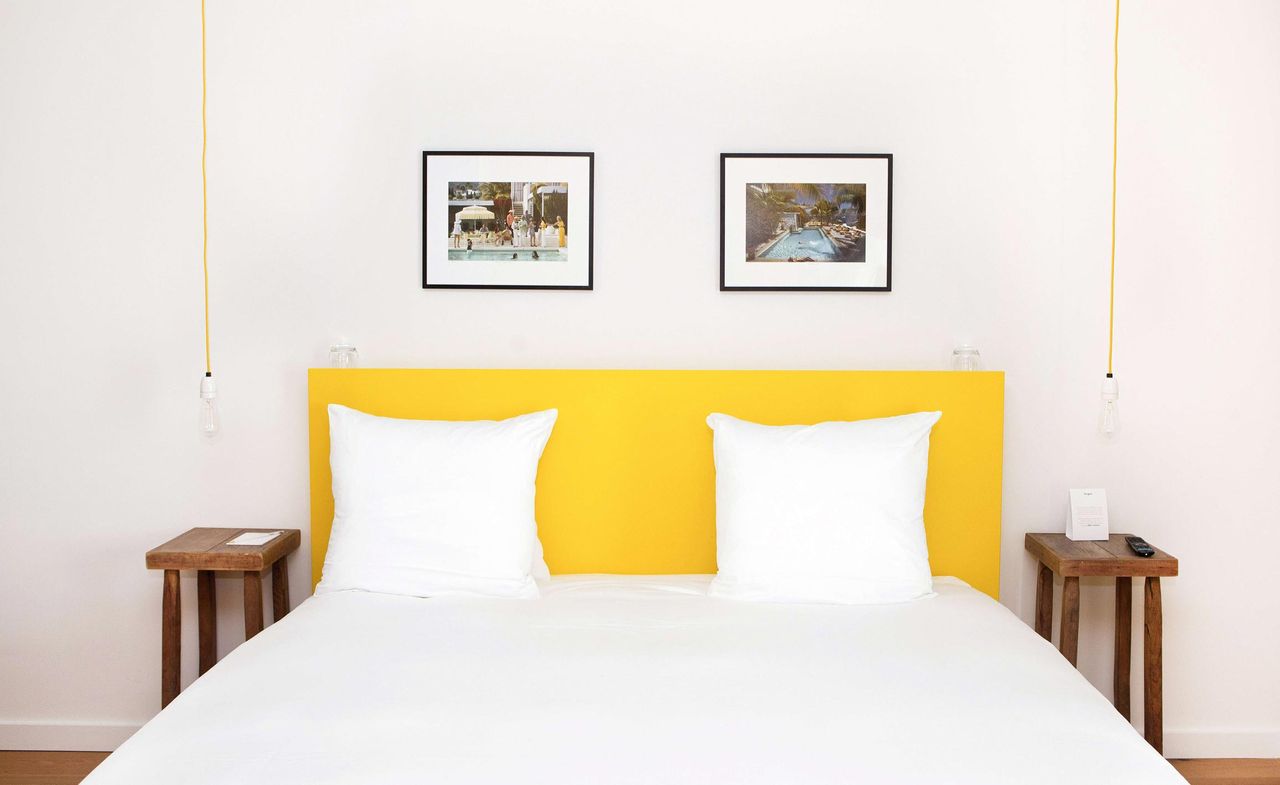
[(639, 679)]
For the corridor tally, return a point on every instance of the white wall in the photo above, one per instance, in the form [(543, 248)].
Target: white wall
[(997, 113)]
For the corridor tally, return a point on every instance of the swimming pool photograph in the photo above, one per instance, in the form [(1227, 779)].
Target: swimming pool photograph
[(817, 222), (806, 222), (508, 221)]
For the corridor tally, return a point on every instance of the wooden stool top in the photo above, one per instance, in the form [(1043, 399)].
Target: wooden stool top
[(1110, 558), (206, 549)]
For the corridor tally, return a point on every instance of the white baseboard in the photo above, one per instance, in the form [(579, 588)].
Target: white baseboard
[(1239, 743), (86, 737), (105, 737)]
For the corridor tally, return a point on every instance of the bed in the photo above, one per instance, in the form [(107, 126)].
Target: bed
[(637, 675), (640, 679)]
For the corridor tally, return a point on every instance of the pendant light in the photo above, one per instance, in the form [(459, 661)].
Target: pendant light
[(1109, 415), (209, 420)]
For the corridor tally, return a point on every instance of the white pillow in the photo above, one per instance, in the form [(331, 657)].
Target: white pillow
[(832, 512), (539, 569), (429, 507)]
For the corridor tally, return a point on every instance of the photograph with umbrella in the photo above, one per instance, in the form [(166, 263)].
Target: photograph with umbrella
[(521, 232), (509, 221)]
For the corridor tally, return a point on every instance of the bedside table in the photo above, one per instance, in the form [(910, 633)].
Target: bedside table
[(1109, 558), (205, 551)]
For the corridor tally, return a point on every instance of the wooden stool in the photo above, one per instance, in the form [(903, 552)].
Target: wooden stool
[(1108, 559), (205, 550)]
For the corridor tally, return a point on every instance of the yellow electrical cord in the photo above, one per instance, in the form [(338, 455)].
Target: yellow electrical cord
[(1115, 136), (204, 190)]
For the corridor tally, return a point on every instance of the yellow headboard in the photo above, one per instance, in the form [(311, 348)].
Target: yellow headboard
[(627, 482)]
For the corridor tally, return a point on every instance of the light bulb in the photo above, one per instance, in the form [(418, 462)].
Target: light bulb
[(208, 406), (1109, 416)]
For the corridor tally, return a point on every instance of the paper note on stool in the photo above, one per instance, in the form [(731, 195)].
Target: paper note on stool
[(254, 538), (1089, 519)]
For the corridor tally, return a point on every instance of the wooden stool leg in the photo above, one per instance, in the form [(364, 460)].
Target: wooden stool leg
[(279, 589), (1153, 687), (1070, 634), (1124, 621), (208, 607), (1044, 603), (252, 603), (170, 639)]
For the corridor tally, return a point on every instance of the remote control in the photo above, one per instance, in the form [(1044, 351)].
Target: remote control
[(1140, 546)]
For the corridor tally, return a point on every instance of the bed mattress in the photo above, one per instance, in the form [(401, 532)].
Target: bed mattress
[(639, 679)]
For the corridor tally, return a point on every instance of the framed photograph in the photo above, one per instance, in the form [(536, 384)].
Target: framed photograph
[(813, 222), (507, 220)]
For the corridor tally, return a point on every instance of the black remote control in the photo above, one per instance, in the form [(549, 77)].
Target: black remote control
[(1140, 546)]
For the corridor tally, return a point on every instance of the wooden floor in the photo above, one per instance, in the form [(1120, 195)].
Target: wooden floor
[(1230, 771), (68, 768), (47, 768)]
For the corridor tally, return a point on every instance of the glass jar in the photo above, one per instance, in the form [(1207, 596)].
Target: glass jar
[(966, 358), (343, 355)]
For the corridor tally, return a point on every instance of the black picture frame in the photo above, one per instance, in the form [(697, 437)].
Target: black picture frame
[(590, 242), (888, 287)]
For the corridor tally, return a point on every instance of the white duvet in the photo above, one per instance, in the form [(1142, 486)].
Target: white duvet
[(615, 679)]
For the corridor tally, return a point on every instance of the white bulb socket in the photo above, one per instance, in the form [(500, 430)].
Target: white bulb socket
[(208, 389), (1109, 416)]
